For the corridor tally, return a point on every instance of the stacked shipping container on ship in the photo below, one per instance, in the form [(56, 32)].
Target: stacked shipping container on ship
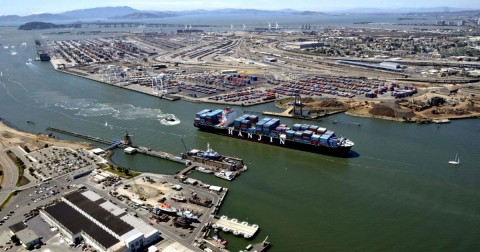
[(207, 117), (270, 131)]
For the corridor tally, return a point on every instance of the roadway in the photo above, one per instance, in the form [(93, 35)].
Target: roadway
[(10, 175)]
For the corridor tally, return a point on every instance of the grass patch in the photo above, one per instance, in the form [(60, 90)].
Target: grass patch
[(1, 175), (7, 199), (21, 168), (23, 181), (121, 172)]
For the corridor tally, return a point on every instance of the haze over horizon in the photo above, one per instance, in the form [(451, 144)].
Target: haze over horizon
[(27, 7)]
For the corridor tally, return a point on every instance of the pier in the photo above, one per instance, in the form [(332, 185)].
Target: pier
[(285, 113), (236, 227), (122, 144)]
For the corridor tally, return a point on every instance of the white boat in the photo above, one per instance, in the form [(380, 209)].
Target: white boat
[(203, 169), (228, 175), (187, 214), (456, 161), (166, 208), (178, 198)]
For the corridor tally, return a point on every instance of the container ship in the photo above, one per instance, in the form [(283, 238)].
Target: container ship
[(268, 130), (43, 55)]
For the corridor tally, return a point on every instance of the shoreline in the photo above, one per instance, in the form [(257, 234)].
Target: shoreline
[(181, 97), (432, 119), (205, 100), (12, 136)]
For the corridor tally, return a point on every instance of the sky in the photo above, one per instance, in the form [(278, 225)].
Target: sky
[(27, 7)]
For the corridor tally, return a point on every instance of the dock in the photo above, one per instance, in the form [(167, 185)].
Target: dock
[(187, 169), (236, 227), (115, 144), (259, 247), (312, 116), (285, 113)]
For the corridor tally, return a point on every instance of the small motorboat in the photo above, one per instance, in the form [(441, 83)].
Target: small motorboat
[(456, 161)]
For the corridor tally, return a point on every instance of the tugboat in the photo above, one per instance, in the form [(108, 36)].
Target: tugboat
[(210, 153), (171, 119), (182, 222), (199, 201)]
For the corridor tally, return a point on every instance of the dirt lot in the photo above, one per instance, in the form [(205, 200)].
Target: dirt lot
[(10, 137), (455, 107)]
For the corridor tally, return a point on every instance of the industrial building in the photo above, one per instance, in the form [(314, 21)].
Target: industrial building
[(130, 150), (27, 237), (386, 66), (103, 225), (304, 45), (81, 172), (98, 151)]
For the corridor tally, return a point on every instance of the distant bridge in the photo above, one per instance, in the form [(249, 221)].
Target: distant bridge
[(101, 24)]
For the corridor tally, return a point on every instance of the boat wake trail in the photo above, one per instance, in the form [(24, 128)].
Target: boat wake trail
[(19, 84), (169, 120), (92, 108)]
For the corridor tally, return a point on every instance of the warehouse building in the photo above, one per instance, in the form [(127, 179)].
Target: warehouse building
[(106, 227), (303, 45), (27, 237)]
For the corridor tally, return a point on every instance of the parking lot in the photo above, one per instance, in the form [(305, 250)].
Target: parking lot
[(56, 161)]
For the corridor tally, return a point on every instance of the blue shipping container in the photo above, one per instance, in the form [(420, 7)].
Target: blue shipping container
[(290, 132), (304, 127)]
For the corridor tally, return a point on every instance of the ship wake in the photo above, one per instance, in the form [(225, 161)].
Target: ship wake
[(92, 108)]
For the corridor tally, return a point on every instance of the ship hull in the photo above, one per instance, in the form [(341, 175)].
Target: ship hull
[(230, 132)]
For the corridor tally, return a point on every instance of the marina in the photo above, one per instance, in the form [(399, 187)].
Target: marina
[(236, 227), (210, 162)]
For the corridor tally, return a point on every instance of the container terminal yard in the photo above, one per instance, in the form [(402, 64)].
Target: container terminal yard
[(252, 67)]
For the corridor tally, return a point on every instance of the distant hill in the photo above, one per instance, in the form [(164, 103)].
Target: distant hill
[(310, 13), (41, 26), (232, 11), (125, 12), (403, 10), (101, 12), (36, 17), (145, 15)]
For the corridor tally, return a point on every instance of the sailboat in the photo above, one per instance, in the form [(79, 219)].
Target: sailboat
[(456, 161), (106, 124)]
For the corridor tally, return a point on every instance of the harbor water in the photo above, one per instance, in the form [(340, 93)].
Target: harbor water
[(397, 194)]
